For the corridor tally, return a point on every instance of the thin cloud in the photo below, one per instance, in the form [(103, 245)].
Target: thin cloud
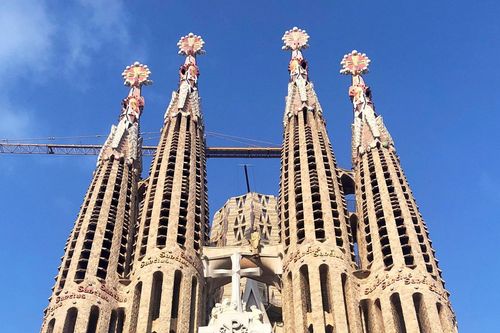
[(37, 39), (27, 38), (95, 25), (15, 123)]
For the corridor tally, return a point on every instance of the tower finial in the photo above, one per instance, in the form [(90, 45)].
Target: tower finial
[(295, 40), (136, 75), (190, 46), (355, 63)]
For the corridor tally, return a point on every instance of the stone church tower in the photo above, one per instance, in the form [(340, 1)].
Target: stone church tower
[(402, 289), (87, 296), (140, 260), (167, 272), (318, 293)]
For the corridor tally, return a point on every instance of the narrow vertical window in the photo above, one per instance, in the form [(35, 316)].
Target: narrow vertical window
[(397, 313), (305, 288), (325, 287), (70, 321), (176, 294), (50, 326), (423, 320), (112, 322), (93, 319), (193, 307), (365, 315), (378, 315), (344, 293), (135, 307), (120, 321), (154, 306), (442, 316), (290, 311)]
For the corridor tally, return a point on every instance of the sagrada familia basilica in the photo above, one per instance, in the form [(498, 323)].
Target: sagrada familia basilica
[(144, 258)]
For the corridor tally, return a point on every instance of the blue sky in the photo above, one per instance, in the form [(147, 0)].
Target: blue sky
[(434, 77)]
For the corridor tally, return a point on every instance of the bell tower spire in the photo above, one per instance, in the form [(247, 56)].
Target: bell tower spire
[(190, 46), (89, 293), (123, 141), (394, 243), (316, 236), (368, 128), (167, 272)]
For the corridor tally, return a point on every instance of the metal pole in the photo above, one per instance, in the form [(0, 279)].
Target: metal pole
[(246, 178)]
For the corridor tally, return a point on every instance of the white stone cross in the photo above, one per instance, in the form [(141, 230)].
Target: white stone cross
[(236, 274)]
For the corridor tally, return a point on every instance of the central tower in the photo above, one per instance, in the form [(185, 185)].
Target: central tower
[(167, 272), (316, 236)]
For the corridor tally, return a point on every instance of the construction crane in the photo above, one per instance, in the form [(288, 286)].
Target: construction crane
[(80, 149), (211, 152), (28, 146)]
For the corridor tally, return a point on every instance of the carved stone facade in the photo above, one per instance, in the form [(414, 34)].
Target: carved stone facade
[(250, 220), (241, 217), (139, 259)]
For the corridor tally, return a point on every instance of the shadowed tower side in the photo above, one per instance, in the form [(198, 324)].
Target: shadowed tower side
[(318, 294), (167, 274), (88, 295), (394, 243)]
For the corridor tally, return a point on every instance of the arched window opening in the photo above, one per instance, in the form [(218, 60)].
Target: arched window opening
[(290, 311), (397, 313), (50, 326), (120, 320), (442, 316), (135, 307), (365, 316), (93, 319), (324, 278), (193, 307), (422, 318), (378, 315), (305, 288), (112, 322), (344, 293), (154, 305), (175, 299), (70, 321)]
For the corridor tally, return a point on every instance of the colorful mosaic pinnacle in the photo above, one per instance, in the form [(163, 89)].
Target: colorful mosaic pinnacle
[(355, 63), (136, 75), (295, 39), (191, 45)]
